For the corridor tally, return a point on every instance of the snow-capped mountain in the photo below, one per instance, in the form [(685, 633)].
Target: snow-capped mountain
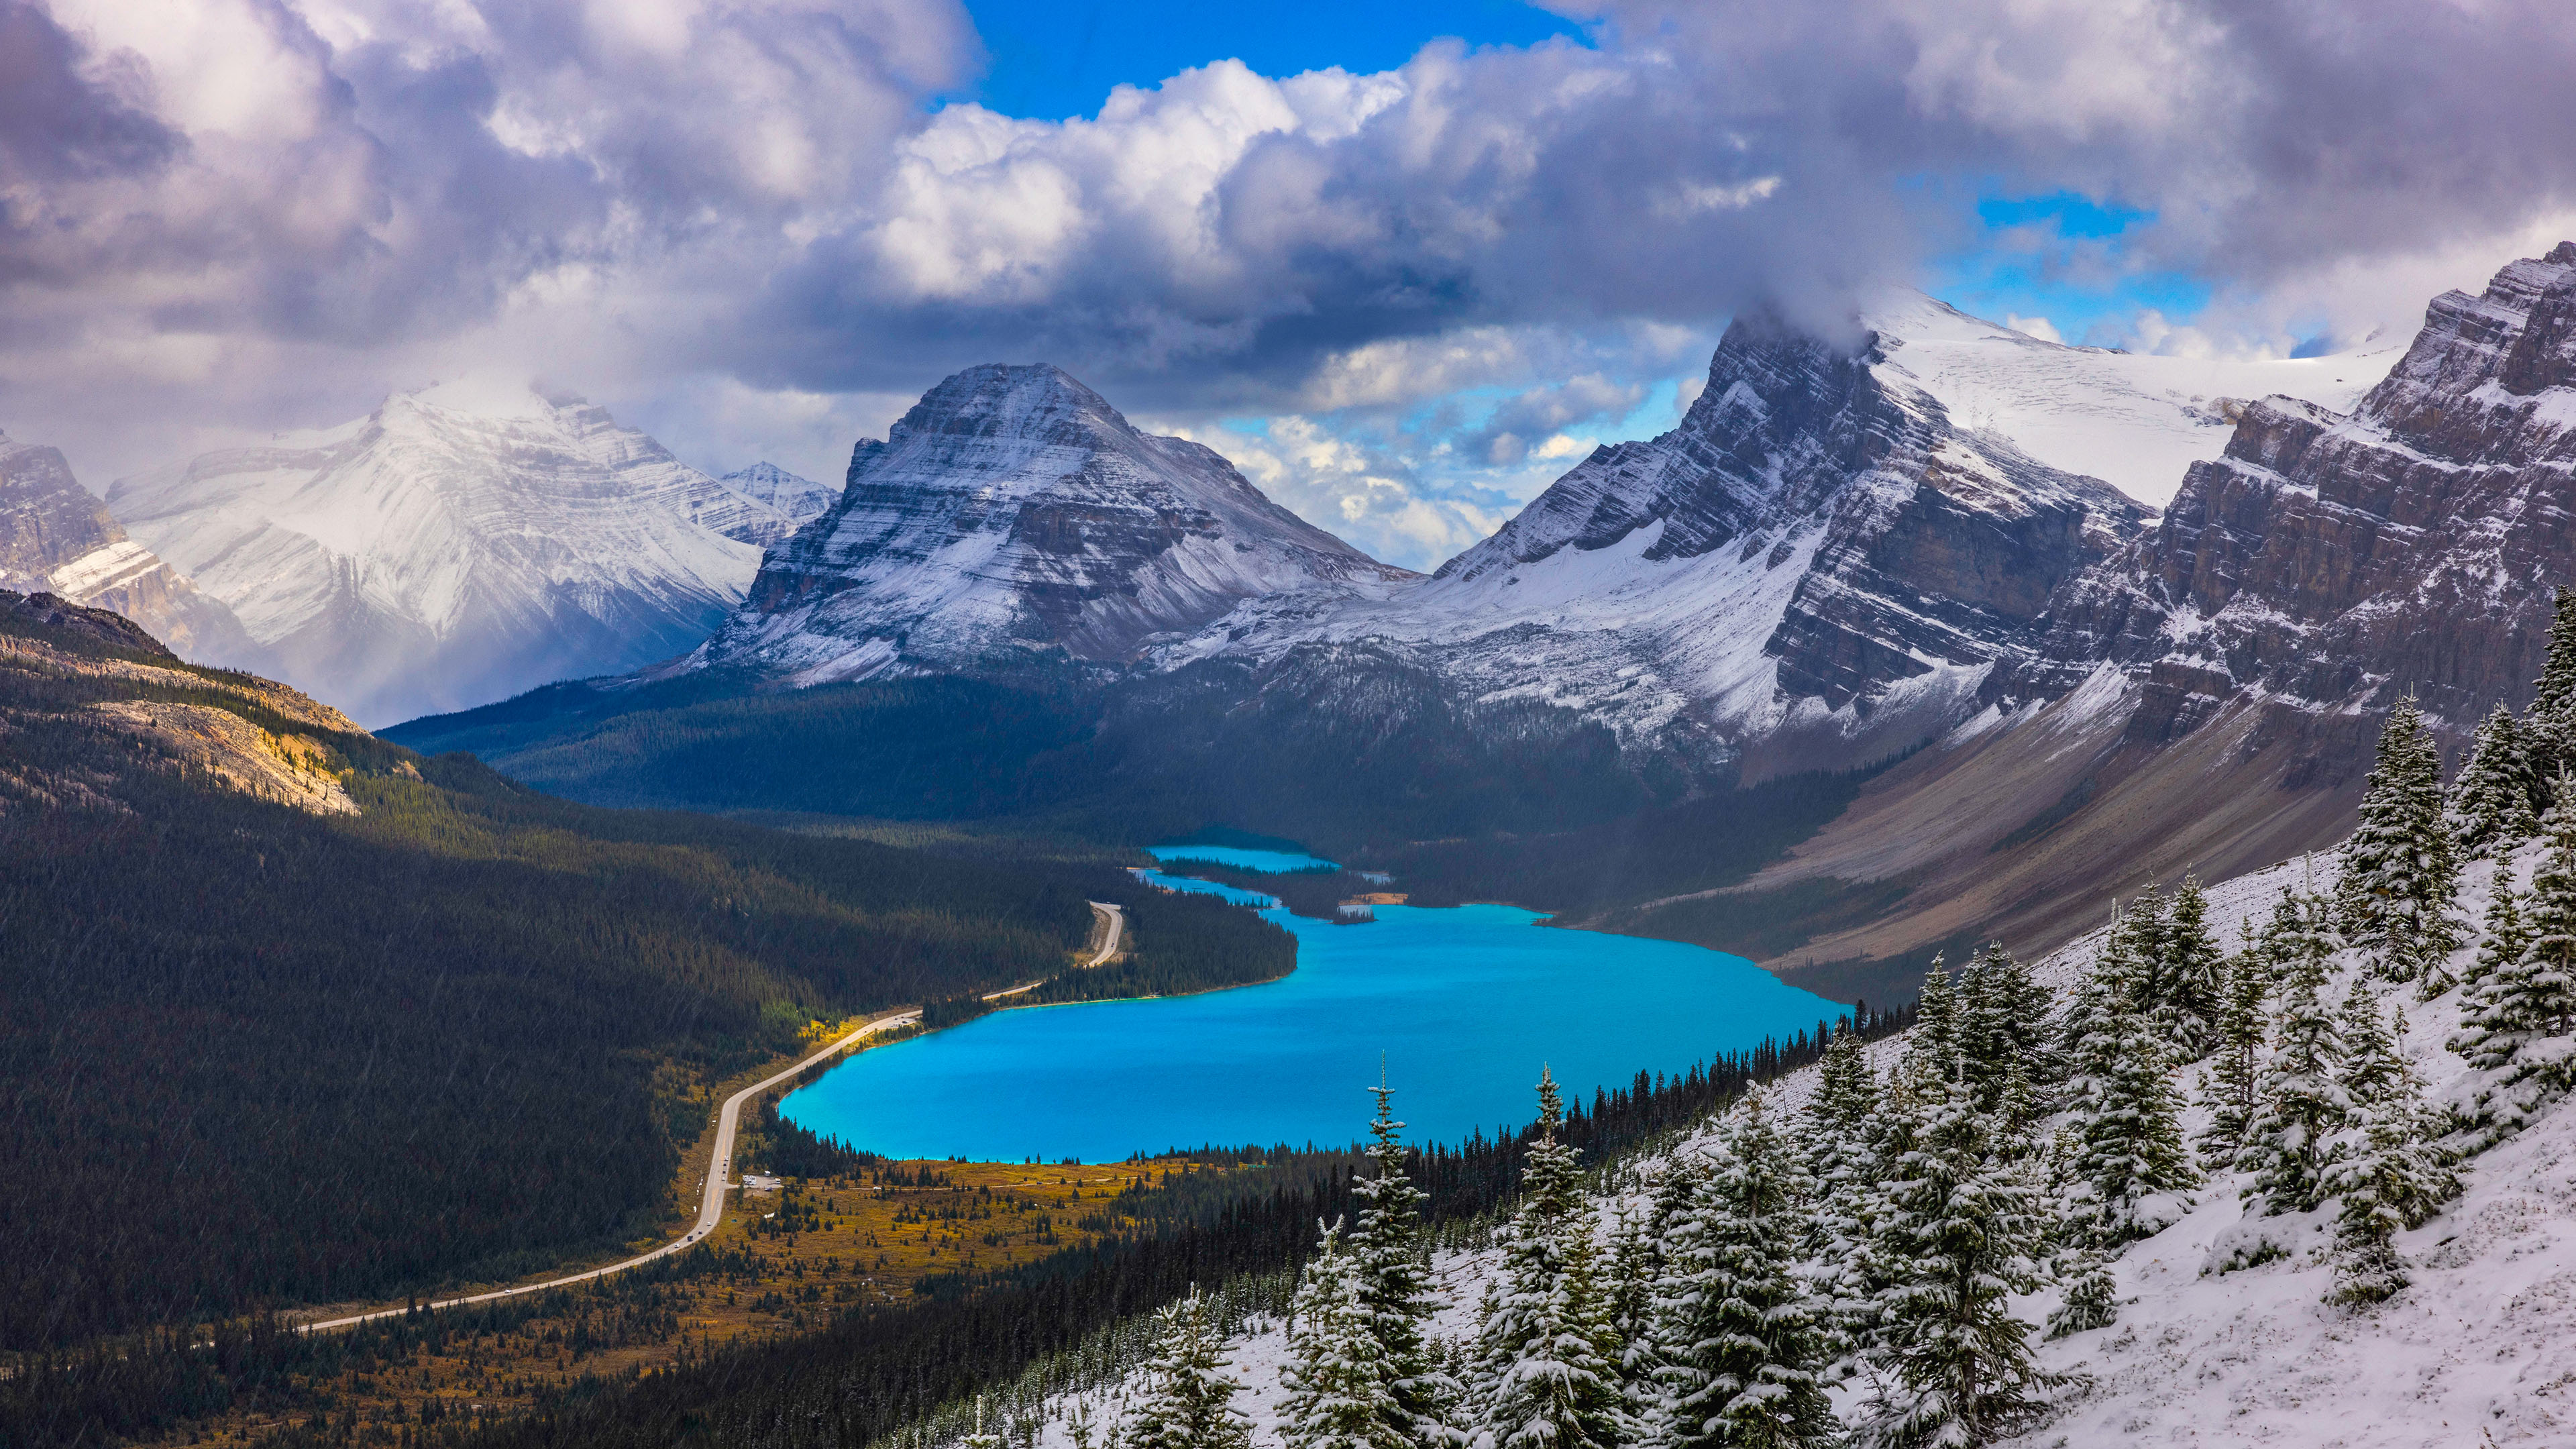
[(1012, 516), (2208, 696), (795, 500), (1822, 565), (457, 545), (1819, 566), (56, 538)]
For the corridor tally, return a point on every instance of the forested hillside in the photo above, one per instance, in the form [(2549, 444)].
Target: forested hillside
[(289, 1014)]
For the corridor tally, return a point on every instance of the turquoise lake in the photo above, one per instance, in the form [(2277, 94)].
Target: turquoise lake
[(1463, 1003), (1273, 861)]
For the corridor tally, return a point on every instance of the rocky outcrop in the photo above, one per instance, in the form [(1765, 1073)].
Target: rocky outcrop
[(456, 546), (1013, 519), (92, 707), (2333, 562), (56, 538)]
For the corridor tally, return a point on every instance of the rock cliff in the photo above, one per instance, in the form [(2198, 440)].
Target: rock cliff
[(56, 538)]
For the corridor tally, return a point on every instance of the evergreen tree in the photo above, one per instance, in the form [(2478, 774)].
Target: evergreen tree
[(2549, 736), (979, 1439), (1188, 1398), (1745, 1344), (1637, 1265), (2191, 989), (2399, 874), (1935, 1038), (2092, 1295), (1842, 1119), (2302, 1104), (2005, 1017), (2387, 1170), (1547, 1367), (2127, 1144), (2491, 803), (2516, 1021), (1393, 1262), (2144, 925), (2501, 943), (1335, 1381), (1953, 1366), (2235, 1073)]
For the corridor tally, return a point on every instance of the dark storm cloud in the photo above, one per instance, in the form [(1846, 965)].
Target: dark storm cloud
[(58, 123)]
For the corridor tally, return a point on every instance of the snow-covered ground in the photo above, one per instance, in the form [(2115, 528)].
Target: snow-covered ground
[(2480, 1350)]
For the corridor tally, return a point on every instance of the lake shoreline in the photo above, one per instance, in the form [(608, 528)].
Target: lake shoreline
[(1455, 995)]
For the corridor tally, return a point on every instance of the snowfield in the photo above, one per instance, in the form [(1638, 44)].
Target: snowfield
[(2479, 1350)]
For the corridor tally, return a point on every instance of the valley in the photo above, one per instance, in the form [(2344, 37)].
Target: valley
[(1791, 709)]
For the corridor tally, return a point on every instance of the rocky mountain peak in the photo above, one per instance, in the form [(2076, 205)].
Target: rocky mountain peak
[(1011, 517), (57, 538)]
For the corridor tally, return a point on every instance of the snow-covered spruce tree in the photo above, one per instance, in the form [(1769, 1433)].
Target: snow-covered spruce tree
[(1188, 1397), (2235, 1068), (2301, 1102), (1744, 1345), (2127, 1144), (2092, 1295), (2143, 923), (1964, 1232), (2005, 1019), (1936, 1032), (2516, 1021), (1393, 1262), (1335, 1386), (1637, 1250), (2191, 977), (2549, 730), (1842, 1118), (1546, 1367), (2387, 1171), (2399, 874), (2491, 803), (2501, 941), (1645, 1362), (980, 1438)]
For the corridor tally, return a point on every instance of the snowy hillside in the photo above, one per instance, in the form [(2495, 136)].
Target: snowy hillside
[(1012, 515), (2204, 1348), (458, 545), (2137, 421)]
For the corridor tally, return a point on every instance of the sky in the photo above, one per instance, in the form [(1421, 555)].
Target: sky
[(1403, 263)]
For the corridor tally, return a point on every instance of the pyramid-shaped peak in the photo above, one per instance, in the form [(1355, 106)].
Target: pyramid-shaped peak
[(1031, 400)]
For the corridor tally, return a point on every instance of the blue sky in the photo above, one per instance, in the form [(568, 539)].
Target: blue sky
[(1052, 59)]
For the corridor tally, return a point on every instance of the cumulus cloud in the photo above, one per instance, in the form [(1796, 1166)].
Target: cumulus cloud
[(243, 213)]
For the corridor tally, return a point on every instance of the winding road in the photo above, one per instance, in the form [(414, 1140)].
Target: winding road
[(728, 1123)]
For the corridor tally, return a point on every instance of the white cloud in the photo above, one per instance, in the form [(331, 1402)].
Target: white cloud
[(2038, 327)]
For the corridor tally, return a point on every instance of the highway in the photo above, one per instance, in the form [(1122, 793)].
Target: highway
[(728, 1122), (710, 1208)]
